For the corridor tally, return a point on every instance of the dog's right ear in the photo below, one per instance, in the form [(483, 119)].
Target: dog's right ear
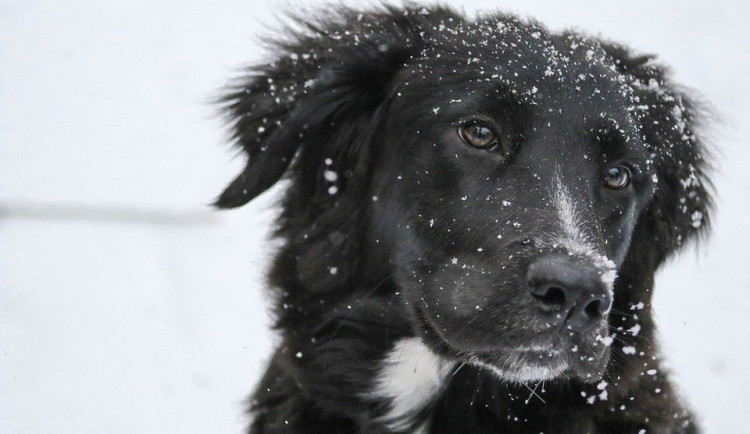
[(329, 72), (671, 126)]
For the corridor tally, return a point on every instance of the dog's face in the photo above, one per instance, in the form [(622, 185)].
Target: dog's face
[(501, 176), (509, 199)]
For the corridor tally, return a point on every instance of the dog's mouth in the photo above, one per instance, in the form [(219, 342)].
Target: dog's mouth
[(562, 357)]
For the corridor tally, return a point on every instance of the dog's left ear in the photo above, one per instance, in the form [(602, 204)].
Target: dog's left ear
[(313, 113), (315, 98), (670, 122)]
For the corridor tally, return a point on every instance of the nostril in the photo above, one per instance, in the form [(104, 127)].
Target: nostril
[(597, 307), (593, 309), (552, 296)]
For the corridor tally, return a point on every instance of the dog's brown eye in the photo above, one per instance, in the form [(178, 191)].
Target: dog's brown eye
[(617, 177), (478, 135)]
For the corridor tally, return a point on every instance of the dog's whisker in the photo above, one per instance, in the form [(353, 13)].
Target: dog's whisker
[(359, 303), (618, 358), (533, 393), (621, 313), (477, 386), (458, 368), (388, 315)]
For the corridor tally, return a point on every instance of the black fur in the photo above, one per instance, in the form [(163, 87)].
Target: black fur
[(419, 234)]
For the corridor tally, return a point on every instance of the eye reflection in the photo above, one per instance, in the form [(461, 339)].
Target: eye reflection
[(478, 135), (617, 177)]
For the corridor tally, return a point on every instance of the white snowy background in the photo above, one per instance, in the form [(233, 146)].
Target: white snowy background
[(128, 306)]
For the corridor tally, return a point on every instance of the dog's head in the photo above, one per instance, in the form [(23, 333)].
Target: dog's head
[(511, 182)]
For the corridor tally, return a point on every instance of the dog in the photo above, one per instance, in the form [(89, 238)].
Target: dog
[(474, 214)]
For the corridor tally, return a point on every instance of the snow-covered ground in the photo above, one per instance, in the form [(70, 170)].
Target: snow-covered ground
[(127, 306)]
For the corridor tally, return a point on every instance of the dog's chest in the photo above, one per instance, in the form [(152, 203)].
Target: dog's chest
[(410, 379)]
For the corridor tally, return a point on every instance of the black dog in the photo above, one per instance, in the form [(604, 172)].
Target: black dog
[(475, 214)]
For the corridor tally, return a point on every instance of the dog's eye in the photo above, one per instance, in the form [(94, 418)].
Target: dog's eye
[(478, 135), (617, 177)]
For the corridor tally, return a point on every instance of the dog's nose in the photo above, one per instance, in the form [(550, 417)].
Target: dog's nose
[(570, 290)]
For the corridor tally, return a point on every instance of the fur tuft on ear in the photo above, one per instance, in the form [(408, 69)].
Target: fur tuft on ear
[(670, 124), (333, 70), (312, 114)]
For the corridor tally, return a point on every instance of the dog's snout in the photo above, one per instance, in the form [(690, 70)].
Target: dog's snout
[(569, 290)]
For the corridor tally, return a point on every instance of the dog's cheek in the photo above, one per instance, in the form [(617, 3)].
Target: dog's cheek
[(617, 227), (469, 308)]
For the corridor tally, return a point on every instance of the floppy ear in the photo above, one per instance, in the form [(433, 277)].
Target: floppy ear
[(670, 120), (313, 113), (332, 73)]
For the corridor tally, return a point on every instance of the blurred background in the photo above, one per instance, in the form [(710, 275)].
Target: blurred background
[(128, 306)]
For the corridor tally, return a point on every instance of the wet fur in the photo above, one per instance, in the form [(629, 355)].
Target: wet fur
[(343, 293)]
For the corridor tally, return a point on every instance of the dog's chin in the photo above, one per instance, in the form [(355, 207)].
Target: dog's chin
[(524, 364)]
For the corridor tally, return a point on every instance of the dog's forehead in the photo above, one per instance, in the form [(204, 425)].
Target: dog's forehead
[(525, 59)]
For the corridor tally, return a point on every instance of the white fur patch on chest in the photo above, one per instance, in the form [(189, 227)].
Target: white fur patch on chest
[(411, 377)]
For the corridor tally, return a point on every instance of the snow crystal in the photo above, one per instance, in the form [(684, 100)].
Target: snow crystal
[(628, 350), (635, 330), (334, 270), (330, 175), (333, 190), (691, 181), (651, 372), (299, 354), (697, 218), (607, 341)]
